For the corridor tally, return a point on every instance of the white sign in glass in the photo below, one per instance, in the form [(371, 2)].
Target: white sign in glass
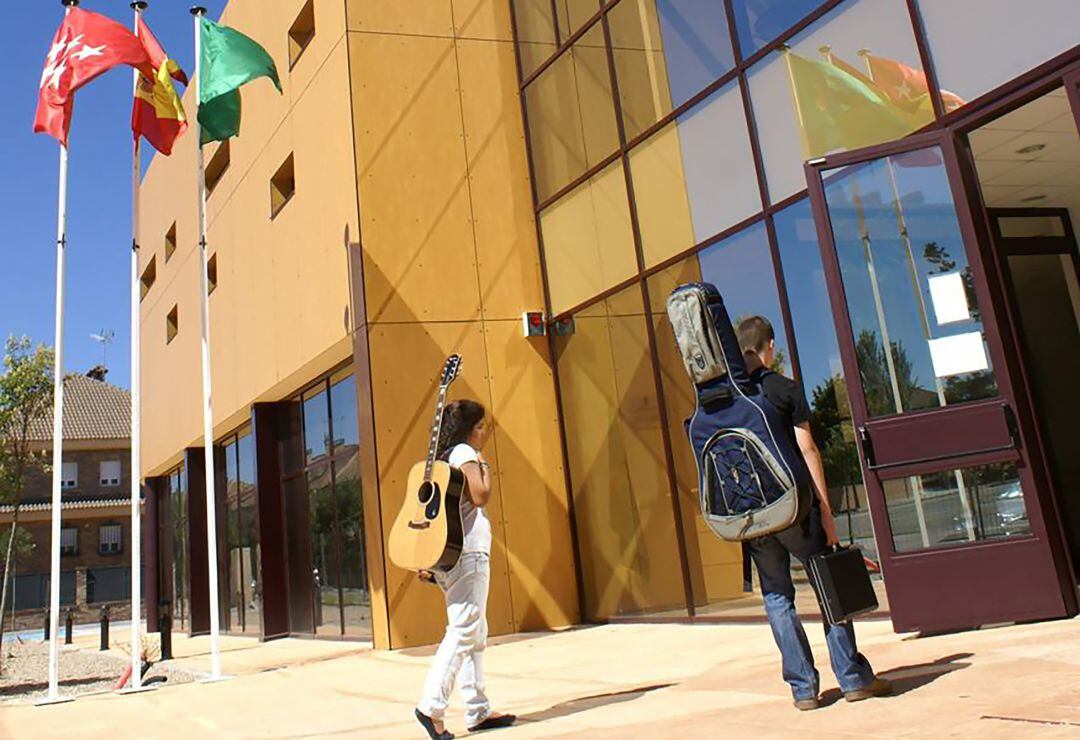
[(959, 354), (949, 297)]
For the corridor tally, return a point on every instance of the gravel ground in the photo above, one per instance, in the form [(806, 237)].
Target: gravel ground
[(25, 676)]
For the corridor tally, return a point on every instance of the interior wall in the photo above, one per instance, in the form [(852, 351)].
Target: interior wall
[(450, 261)]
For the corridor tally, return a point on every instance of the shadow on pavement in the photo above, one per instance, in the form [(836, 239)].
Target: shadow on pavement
[(911, 677), (585, 703)]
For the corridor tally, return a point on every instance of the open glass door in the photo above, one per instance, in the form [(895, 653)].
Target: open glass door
[(957, 518)]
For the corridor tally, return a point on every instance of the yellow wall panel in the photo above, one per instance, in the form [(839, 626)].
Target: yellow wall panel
[(505, 228), (418, 17), (483, 19), (419, 255), (531, 478), (660, 196)]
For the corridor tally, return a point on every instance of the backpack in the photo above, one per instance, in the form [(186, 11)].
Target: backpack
[(752, 482)]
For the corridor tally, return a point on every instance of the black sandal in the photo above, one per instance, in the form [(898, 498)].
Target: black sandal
[(429, 724), (495, 722)]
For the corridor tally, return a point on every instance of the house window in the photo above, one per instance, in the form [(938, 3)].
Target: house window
[(170, 243), (110, 473), (69, 475), (219, 162), (69, 541), (149, 275), (172, 325), (301, 33), (211, 274), (282, 186), (110, 539)]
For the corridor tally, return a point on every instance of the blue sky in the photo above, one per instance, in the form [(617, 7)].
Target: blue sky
[(99, 200)]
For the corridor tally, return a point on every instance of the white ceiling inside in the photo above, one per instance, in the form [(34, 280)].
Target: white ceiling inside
[(1030, 158)]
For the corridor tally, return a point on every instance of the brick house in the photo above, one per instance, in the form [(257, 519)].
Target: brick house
[(95, 556)]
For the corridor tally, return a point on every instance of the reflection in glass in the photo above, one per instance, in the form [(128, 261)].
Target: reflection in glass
[(741, 267), (760, 21), (666, 51), (250, 590), (355, 595), (1009, 39), (571, 114), (180, 570), (535, 26), (838, 89), (822, 374), (622, 506), (322, 512), (956, 506), (588, 239), (909, 289), (573, 14), (689, 183), (227, 518)]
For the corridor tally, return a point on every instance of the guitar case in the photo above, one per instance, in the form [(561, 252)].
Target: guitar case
[(752, 482)]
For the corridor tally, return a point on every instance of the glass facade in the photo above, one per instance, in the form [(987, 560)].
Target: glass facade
[(667, 140), (238, 521), (173, 538)]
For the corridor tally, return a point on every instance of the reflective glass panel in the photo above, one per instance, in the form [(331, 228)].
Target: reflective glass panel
[(355, 594), (573, 14), (588, 239), (760, 21), (822, 374), (622, 499), (535, 26), (571, 115), (1009, 39), (910, 293), (690, 183), (666, 51), (316, 426), (228, 517), (850, 80), (251, 588), (956, 506)]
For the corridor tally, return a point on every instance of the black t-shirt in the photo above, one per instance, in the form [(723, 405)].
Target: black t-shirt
[(786, 396)]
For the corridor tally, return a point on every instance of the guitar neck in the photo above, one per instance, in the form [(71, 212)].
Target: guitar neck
[(436, 430)]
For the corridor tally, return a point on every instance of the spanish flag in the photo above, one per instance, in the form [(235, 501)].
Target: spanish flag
[(158, 114)]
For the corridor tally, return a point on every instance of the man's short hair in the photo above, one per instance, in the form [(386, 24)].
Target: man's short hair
[(755, 333)]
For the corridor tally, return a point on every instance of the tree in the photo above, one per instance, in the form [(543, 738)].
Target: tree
[(876, 381), (26, 396)]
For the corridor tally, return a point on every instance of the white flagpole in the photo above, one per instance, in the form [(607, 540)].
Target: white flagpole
[(136, 399), (58, 419), (208, 419)]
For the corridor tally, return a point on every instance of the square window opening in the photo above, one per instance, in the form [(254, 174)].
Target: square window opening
[(110, 473), (282, 186), (172, 325), (211, 274), (149, 276), (215, 169), (69, 475), (301, 33), (170, 242)]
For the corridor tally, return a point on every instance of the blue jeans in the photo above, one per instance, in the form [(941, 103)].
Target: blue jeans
[(772, 555)]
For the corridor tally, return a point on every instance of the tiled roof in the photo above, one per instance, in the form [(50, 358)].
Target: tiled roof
[(111, 503), (92, 410)]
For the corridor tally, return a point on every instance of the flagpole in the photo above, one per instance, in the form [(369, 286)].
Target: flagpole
[(58, 420), (197, 13), (136, 399)]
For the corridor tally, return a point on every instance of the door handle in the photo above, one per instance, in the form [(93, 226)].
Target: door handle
[(867, 448)]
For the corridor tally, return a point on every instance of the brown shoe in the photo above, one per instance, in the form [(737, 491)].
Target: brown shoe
[(807, 705), (877, 687)]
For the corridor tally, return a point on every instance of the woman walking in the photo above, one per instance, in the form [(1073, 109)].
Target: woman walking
[(464, 432)]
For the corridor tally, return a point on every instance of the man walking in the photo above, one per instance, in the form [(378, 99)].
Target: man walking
[(772, 554)]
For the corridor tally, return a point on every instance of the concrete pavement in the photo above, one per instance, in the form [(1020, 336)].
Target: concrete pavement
[(627, 681)]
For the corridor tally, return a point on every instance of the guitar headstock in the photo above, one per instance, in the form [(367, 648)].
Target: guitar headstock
[(450, 370)]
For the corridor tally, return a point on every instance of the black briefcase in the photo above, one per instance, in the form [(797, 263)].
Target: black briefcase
[(842, 584)]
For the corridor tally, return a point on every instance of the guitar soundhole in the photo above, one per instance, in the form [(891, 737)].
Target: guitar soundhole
[(427, 490)]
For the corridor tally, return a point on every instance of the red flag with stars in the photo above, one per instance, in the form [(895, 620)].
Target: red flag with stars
[(85, 46)]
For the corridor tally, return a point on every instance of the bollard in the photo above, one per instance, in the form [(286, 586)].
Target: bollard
[(46, 631), (67, 628), (104, 628), (165, 629)]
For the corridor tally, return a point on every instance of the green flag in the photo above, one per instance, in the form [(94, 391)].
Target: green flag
[(229, 60)]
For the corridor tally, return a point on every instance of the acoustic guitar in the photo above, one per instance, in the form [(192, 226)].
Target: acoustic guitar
[(427, 534)]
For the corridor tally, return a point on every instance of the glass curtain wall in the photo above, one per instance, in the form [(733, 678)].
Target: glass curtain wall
[(667, 141), (326, 536), (240, 580), (177, 536)]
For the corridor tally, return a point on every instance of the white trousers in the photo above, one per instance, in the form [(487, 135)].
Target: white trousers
[(461, 652)]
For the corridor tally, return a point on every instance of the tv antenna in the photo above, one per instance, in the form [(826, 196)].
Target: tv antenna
[(105, 337)]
